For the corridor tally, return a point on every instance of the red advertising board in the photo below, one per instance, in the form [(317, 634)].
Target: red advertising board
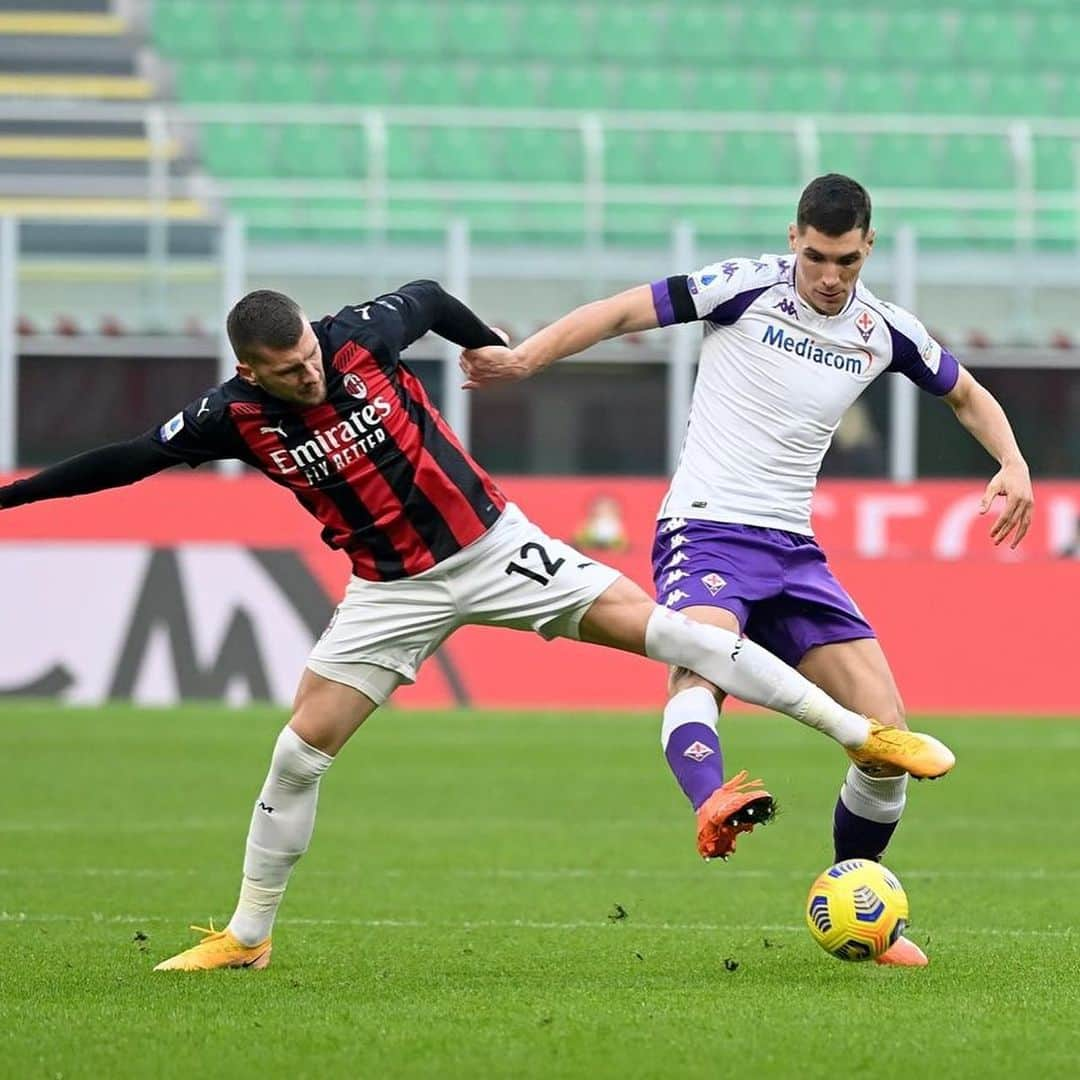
[(206, 586)]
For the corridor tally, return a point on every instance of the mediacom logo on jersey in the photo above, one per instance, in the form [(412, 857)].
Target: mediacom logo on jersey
[(779, 338)]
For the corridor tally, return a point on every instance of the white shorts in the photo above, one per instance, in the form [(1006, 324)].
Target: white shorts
[(515, 575)]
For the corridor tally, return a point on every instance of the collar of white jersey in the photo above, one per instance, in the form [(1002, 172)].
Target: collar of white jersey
[(810, 307)]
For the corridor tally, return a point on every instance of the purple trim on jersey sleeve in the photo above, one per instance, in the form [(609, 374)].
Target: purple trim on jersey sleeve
[(661, 298), (907, 361), (733, 309)]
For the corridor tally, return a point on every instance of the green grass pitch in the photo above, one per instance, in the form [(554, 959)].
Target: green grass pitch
[(460, 911)]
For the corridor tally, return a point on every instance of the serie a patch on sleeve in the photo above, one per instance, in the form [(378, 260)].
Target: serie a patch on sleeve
[(172, 427)]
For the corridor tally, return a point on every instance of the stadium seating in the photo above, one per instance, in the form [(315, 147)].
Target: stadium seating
[(977, 58)]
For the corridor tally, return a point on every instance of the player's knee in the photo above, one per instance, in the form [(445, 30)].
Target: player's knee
[(680, 678), (296, 762)]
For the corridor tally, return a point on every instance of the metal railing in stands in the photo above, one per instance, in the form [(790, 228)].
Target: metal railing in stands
[(163, 123)]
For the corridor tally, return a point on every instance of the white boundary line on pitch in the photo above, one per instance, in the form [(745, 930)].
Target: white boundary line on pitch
[(556, 874), (97, 918)]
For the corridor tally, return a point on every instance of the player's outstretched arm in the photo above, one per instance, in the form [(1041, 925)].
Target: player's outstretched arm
[(109, 466), (623, 313), (979, 411)]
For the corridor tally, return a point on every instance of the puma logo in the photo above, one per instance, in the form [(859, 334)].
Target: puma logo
[(279, 430)]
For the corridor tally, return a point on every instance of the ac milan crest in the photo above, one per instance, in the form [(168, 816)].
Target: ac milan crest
[(354, 386)]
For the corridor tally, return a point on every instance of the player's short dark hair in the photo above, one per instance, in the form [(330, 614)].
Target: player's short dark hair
[(834, 204), (264, 319)]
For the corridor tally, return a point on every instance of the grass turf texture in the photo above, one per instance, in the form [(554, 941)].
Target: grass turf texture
[(460, 911)]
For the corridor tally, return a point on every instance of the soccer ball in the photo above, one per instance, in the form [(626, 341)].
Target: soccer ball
[(856, 909)]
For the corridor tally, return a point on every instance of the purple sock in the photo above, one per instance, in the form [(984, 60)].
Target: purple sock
[(857, 837), (693, 754)]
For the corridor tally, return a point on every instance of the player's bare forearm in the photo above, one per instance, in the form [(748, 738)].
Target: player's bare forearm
[(623, 313), (979, 411)]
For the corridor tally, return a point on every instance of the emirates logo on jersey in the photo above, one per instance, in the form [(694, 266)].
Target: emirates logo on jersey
[(354, 386), (865, 325)]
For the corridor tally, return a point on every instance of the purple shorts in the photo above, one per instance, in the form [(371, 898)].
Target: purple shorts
[(777, 584)]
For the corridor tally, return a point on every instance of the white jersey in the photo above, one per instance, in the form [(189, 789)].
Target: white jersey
[(774, 379)]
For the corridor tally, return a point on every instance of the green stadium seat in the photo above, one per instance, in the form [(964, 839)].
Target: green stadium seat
[(410, 30), (555, 32), (431, 84), (924, 36), (682, 157), (407, 152), (1014, 93), (624, 157), (698, 33), (652, 88), (321, 151), (187, 28), (1057, 163), (855, 34), (627, 33), (842, 153), (977, 161), (239, 150), (214, 81), (953, 92), (358, 84), (505, 86), (728, 227), (726, 90), (490, 221), (417, 221), (342, 221), (332, 27), (996, 39), (638, 224), (901, 161), (461, 153), (286, 84), (273, 220), (753, 158), (259, 28), (769, 35), (1068, 103), (799, 90), (480, 30), (1058, 230), (579, 87), (553, 223), (1049, 30), (873, 92), (535, 154)]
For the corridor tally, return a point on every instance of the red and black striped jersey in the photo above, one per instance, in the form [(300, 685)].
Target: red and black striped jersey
[(375, 463)]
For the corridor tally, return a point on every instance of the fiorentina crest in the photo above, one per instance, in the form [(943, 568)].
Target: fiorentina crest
[(698, 751)]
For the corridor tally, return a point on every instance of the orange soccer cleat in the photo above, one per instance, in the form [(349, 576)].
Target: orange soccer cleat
[(903, 952), (219, 949), (734, 808), (893, 751)]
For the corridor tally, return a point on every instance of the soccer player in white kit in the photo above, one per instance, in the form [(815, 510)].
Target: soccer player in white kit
[(790, 342)]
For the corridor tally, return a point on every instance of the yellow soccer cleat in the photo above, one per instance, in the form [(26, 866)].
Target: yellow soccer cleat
[(903, 952), (219, 949), (891, 751)]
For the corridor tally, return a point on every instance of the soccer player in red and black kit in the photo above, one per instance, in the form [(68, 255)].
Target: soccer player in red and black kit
[(331, 412)]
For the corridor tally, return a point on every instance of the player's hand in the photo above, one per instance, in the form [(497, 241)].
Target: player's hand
[(1014, 482), (492, 364)]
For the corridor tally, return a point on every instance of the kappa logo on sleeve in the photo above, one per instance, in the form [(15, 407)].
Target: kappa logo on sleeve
[(171, 428)]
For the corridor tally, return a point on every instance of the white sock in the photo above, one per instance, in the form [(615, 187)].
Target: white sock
[(281, 827), (695, 705), (879, 799), (738, 666)]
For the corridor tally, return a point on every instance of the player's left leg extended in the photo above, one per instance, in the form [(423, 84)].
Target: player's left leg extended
[(869, 808), (325, 715)]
